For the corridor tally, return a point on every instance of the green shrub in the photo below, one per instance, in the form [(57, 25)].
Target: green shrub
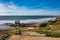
[(48, 33), (22, 29), (41, 32), (53, 34), (15, 30), (12, 31)]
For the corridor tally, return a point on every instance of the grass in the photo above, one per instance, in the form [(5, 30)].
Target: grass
[(50, 31), (42, 30), (53, 34), (22, 29), (12, 31), (15, 30)]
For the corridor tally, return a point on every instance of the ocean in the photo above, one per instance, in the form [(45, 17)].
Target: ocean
[(25, 19)]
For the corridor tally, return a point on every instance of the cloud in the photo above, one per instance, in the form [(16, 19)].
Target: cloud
[(12, 9)]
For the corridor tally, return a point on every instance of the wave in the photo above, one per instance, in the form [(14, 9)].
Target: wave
[(28, 21), (37, 20)]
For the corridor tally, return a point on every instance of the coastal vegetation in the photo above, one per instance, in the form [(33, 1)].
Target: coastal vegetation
[(52, 29)]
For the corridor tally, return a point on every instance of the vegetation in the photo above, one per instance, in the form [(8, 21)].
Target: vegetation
[(53, 34), (22, 29), (51, 30), (15, 30), (12, 31)]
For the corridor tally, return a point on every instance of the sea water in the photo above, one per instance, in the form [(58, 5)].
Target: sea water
[(23, 19)]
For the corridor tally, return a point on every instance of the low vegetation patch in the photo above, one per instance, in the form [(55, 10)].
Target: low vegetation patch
[(22, 29), (49, 33), (15, 30), (53, 31), (12, 31), (53, 34)]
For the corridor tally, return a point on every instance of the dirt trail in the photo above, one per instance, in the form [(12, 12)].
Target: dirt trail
[(21, 37)]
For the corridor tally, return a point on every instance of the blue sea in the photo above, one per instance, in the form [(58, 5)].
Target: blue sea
[(25, 19)]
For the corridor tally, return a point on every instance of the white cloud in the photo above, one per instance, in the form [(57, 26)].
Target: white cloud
[(22, 10)]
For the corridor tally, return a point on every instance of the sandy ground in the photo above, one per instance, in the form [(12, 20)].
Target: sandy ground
[(20, 37)]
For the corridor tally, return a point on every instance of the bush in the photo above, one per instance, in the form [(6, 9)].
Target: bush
[(40, 31), (53, 34), (22, 29), (12, 31), (48, 33), (15, 30)]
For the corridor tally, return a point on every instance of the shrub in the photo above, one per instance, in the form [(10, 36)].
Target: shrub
[(49, 33), (41, 32), (22, 29), (53, 34), (12, 31)]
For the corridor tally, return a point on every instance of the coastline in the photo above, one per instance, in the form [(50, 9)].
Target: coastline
[(28, 21), (6, 24), (43, 27)]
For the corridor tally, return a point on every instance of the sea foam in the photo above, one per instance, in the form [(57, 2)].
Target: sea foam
[(28, 20)]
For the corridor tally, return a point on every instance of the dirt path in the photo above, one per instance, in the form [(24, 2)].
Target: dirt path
[(22, 37)]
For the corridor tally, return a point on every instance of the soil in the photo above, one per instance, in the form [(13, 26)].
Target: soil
[(29, 36)]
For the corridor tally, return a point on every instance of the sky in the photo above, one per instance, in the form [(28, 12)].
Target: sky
[(30, 7)]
